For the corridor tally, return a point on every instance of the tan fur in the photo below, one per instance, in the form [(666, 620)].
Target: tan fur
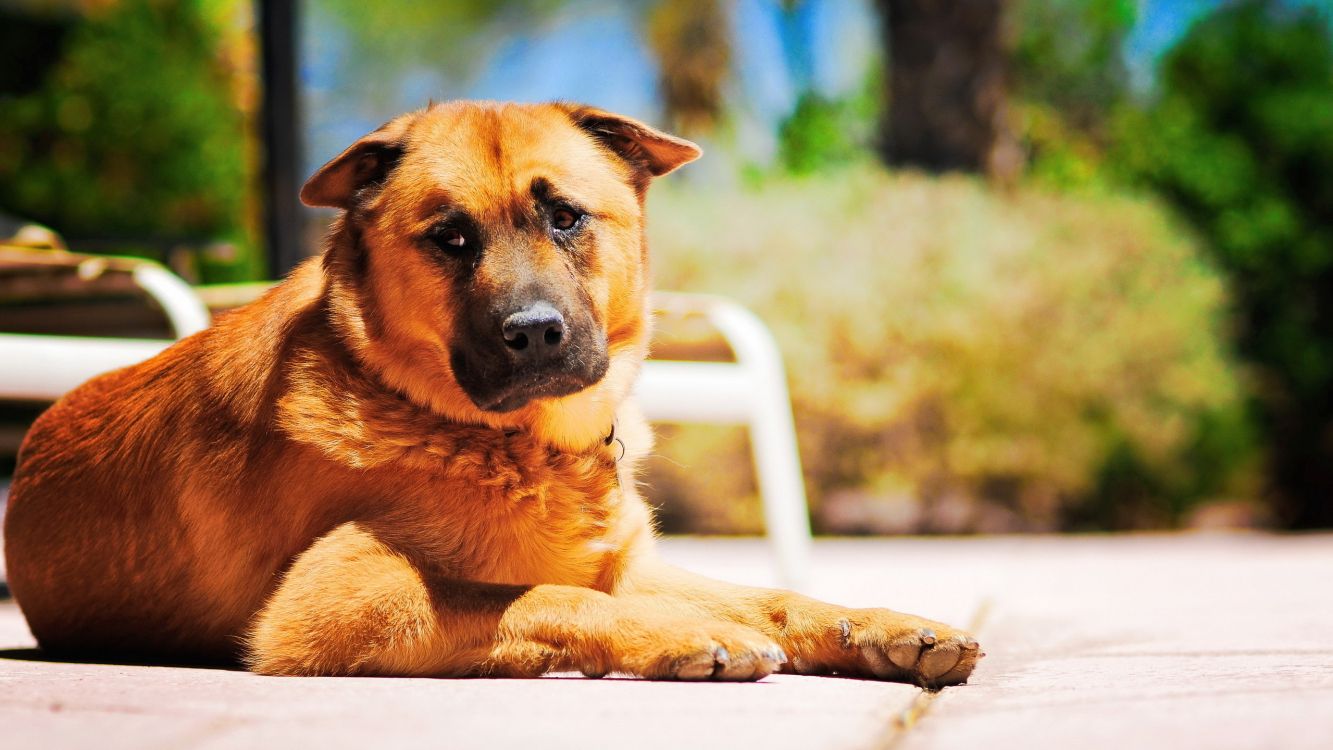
[(305, 486)]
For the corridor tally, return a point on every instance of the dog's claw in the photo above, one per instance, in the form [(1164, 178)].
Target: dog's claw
[(721, 660), (845, 629)]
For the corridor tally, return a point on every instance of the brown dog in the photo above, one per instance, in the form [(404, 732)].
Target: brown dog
[(398, 462)]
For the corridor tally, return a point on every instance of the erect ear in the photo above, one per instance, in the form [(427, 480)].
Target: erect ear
[(647, 149), (363, 164)]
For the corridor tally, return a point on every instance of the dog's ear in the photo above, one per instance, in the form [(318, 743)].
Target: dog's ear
[(363, 164), (647, 149)]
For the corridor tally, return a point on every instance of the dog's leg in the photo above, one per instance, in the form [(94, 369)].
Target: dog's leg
[(352, 605), (820, 638)]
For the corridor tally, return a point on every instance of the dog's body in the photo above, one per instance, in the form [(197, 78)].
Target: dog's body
[(415, 455)]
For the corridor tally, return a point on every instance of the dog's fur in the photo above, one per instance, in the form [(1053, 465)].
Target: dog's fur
[(354, 475)]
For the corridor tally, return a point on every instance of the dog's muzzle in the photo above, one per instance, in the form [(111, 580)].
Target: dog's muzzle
[(531, 352)]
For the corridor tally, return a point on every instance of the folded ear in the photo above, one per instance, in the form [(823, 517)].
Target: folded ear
[(647, 149), (363, 164)]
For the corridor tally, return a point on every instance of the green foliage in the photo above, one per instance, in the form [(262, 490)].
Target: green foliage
[(1069, 80), (1067, 55), (1060, 156), (822, 134), (1030, 357), (132, 135), (1241, 142)]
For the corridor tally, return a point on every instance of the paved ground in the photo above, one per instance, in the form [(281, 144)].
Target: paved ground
[(1094, 642)]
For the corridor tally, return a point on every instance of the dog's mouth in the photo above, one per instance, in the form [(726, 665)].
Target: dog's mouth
[(508, 391), (542, 385)]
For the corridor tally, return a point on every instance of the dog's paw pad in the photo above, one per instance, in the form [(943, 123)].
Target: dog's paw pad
[(593, 672), (731, 653), (903, 648), (701, 665)]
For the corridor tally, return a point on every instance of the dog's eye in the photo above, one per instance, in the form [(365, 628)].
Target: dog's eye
[(450, 238), (564, 219)]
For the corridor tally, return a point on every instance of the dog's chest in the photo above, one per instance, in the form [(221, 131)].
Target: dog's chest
[(524, 519), (483, 504)]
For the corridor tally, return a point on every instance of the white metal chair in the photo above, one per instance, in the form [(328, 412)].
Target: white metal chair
[(751, 391), (42, 368)]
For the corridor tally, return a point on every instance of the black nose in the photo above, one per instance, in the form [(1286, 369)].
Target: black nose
[(535, 332)]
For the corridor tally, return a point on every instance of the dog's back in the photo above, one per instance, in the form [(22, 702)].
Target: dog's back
[(88, 521), (108, 524)]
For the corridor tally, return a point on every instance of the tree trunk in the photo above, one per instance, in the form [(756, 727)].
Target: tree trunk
[(691, 40), (948, 85)]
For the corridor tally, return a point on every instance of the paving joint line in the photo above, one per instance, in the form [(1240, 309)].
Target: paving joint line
[(905, 720)]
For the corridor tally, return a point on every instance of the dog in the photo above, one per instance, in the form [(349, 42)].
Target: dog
[(416, 455)]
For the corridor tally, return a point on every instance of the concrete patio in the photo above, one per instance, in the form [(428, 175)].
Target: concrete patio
[(1126, 642)]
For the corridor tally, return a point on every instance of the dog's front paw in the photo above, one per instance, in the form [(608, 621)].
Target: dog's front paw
[(703, 651), (889, 645)]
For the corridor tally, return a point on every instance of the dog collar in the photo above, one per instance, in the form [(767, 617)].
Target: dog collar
[(611, 438)]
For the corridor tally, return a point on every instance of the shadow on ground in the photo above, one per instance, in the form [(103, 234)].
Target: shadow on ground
[(40, 655)]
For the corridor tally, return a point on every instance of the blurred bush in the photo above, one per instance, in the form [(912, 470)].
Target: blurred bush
[(1240, 140), (128, 132), (964, 360)]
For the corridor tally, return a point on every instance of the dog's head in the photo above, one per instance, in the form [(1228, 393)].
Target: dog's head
[(490, 263)]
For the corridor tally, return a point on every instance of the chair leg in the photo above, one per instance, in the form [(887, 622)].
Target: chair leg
[(777, 464), (773, 440)]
